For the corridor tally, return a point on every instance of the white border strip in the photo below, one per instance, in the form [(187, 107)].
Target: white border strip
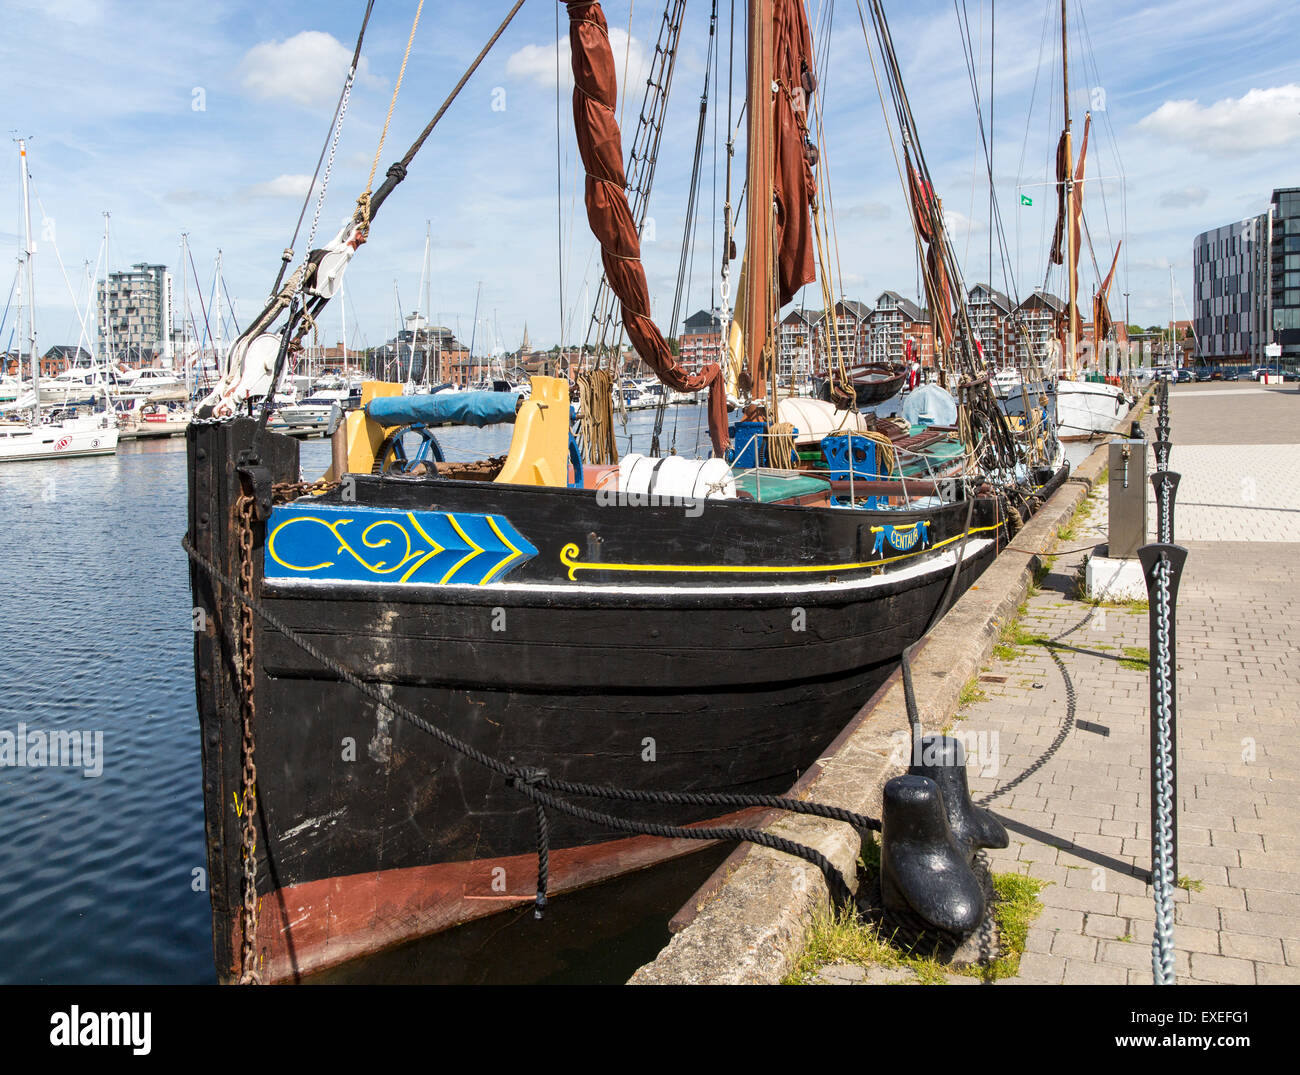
[(943, 561)]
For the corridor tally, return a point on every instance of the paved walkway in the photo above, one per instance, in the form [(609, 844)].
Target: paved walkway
[(1073, 783)]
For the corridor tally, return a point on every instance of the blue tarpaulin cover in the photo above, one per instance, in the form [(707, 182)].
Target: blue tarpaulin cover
[(931, 400), (460, 408)]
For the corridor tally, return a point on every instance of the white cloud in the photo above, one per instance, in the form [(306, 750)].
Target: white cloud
[(77, 12), (536, 63), (307, 69), (282, 186), (1160, 264), (1258, 120), (1184, 198)]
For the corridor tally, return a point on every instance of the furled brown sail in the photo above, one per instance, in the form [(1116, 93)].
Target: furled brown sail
[(595, 94), (1101, 320), (779, 233), (1076, 230), (925, 211), (795, 188), (1062, 174)]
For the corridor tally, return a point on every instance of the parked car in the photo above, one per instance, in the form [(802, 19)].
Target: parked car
[(1184, 376), (1202, 373)]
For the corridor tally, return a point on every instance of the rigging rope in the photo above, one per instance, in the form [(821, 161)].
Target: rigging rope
[(528, 781), (340, 109)]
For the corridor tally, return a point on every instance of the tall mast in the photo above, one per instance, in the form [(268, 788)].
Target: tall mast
[(216, 313), (473, 332), (185, 312), (1173, 322), (108, 296), (343, 320), (759, 312), (428, 276), (29, 254), (1072, 304), (428, 287)]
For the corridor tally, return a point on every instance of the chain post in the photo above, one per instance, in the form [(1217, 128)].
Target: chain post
[(1161, 448), (1165, 483), (1162, 417), (1162, 564)]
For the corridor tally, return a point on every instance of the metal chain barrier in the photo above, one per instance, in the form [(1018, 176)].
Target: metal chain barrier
[(1162, 565), (1164, 480), (244, 510)]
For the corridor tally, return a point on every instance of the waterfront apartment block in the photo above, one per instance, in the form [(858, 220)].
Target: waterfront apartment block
[(1230, 290), (796, 341), (1284, 272), (701, 340), (992, 316), (1043, 316), (1246, 285), (900, 327), (844, 336), (135, 319)]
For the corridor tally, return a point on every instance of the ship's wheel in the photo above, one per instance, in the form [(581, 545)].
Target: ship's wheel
[(406, 448)]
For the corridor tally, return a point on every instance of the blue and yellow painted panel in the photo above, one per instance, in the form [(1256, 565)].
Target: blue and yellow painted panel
[(903, 538), (359, 544)]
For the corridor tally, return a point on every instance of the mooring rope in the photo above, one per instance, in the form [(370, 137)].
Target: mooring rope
[(534, 784)]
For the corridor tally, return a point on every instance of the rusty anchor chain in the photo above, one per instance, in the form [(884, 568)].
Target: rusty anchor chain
[(244, 511)]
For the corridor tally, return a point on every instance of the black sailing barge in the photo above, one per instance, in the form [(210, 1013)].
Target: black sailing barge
[(631, 645), (693, 628)]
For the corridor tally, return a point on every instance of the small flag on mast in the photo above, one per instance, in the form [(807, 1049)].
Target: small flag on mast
[(1025, 199)]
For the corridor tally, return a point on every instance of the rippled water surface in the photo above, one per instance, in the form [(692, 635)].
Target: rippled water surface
[(96, 873)]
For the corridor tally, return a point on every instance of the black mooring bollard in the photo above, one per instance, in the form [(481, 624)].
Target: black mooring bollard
[(1162, 564), (924, 873), (942, 758), (1166, 487)]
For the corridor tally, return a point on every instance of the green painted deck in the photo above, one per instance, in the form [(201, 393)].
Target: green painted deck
[(775, 485)]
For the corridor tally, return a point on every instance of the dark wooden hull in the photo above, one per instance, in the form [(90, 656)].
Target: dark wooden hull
[(638, 648)]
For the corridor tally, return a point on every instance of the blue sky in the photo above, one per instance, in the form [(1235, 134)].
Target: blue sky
[(208, 119)]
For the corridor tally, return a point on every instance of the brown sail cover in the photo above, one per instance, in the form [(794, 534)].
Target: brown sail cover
[(779, 232), (936, 275), (595, 95), (1062, 173), (1076, 218), (795, 190), (1101, 321)]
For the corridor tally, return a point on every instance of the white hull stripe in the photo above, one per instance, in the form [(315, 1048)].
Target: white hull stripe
[(941, 562)]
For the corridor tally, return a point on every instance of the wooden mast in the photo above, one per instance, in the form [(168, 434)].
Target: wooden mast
[(1071, 305), (758, 276)]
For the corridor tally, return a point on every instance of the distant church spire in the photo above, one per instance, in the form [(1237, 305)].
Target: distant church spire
[(525, 347)]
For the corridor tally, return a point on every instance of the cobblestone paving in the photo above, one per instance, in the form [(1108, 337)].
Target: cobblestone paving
[(1073, 783), (1243, 492)]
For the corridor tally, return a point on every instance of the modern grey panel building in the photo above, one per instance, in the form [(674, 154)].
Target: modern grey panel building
[(140, 306), (1230, 271), (1284, 271)]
